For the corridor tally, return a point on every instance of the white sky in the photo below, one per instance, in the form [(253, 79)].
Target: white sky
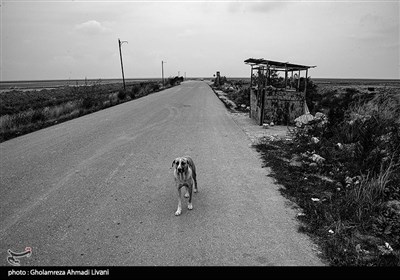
[(78, 39)]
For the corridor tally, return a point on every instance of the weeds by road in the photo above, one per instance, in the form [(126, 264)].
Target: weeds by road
[(343, 169)]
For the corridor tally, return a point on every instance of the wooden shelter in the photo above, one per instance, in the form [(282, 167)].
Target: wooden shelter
[(273, 98)]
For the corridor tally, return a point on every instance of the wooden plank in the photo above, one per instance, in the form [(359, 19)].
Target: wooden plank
[(251, 83), (305, 84), (298, 82), (285, 77)]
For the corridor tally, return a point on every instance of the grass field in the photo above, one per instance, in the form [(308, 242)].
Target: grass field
[(24, 110)]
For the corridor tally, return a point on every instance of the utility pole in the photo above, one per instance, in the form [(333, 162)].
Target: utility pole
[(120, 56), (162, 71)]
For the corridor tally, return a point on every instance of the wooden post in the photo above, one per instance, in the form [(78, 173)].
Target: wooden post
[(291, 81), (162, 72), (262, 106), (285, 76), (298, 82), (263, 95), (251, 84), (251, 76), (305, 83), (122, 66), (305, 91)]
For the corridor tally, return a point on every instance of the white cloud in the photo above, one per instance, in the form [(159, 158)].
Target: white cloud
[(92, 27)]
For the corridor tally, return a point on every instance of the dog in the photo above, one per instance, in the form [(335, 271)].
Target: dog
[(185, 176)]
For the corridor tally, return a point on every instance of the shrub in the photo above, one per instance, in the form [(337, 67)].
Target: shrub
[(241, 96), (174, 81), (135, 91), (38, 116), (121, 94), (312, 96), (374, 127), (146, 89), (88, 102), (155, 87), (7, 123)]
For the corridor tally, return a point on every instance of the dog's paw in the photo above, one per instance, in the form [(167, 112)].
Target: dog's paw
[(186, 195), (190, 206), (178, 212)]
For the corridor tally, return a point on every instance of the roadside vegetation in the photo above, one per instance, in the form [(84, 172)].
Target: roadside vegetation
[(342, 167), (237, 94), (22, 112)]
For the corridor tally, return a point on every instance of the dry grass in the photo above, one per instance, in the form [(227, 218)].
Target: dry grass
[(368, 194), (24, 112)]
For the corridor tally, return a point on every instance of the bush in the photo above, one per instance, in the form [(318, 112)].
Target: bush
[(38, 116), (174, 81), (241, 96), (374, 128), (367, 130), (312, 96), (7, 122), (121, 94), (155, 87), (135, 91), (88, 102)]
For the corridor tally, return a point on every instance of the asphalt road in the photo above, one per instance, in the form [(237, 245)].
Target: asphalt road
[(99, 190)]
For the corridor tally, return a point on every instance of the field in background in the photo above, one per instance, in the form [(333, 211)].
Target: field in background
[(321, 82), (24, 110), (53, 84)]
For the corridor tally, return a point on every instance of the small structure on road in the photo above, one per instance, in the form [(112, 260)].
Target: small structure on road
[(277, 99)]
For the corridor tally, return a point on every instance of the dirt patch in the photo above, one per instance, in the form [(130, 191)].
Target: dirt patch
[(258, 133)]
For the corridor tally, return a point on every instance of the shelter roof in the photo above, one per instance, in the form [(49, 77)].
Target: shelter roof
[(277, 65)]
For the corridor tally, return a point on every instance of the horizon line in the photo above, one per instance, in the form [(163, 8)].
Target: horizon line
[(194, 77)]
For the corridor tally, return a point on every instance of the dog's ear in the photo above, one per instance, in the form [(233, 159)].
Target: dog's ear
[(174, 162)]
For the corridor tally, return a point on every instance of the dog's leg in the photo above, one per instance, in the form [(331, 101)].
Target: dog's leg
[(189, 188), (186, 190), (195, 181), (179, 210)]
